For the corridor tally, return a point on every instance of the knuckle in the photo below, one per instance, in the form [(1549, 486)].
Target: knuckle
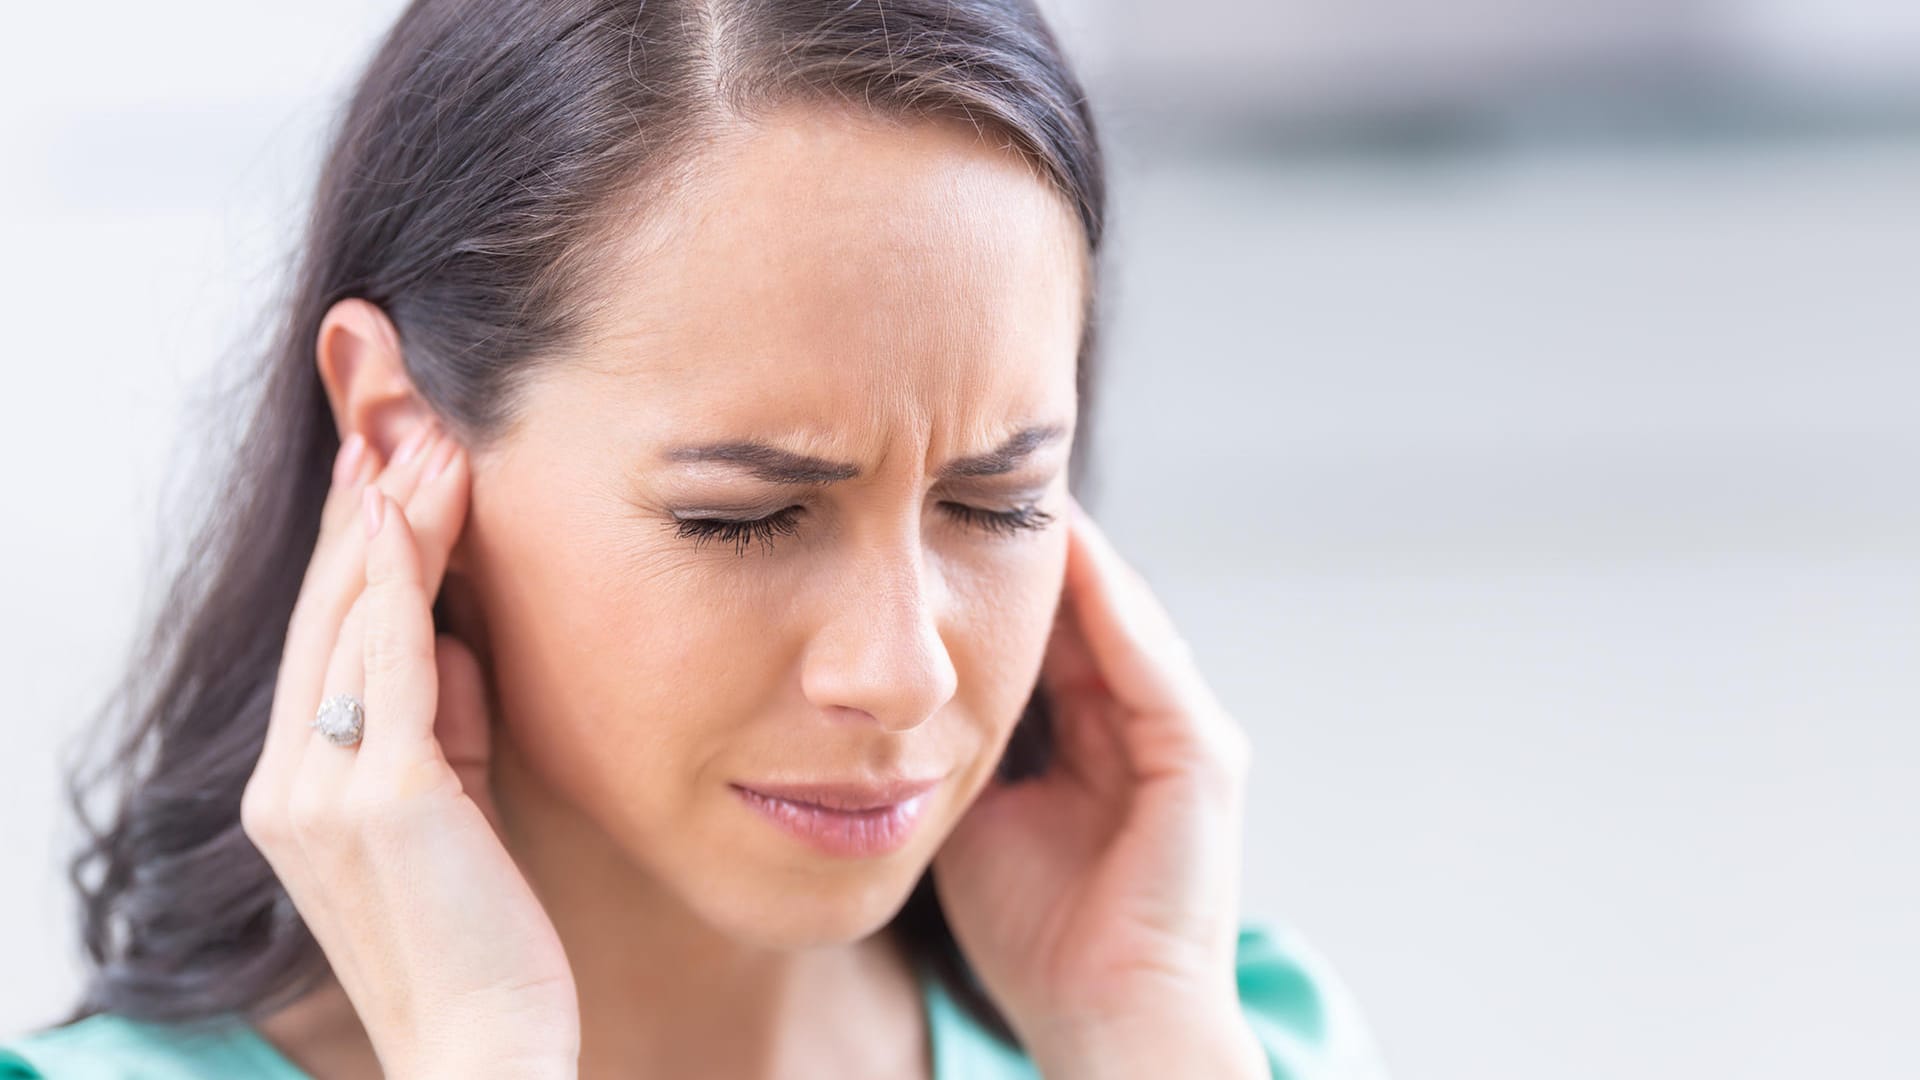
[(393, 569), (336, 831), (259, 818), (381, 574), (312, 818), (392, 649)]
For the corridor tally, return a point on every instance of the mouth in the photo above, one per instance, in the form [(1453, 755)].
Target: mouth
[(847, 820)]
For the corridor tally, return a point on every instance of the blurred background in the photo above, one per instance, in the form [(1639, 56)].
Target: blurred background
[(1514, 401)]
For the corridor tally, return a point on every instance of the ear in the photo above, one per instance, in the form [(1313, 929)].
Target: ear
[(360, 363)]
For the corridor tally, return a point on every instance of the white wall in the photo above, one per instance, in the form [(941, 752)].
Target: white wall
[(1549, 520)]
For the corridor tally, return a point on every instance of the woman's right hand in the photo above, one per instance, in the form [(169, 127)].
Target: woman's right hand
[(389, 849)]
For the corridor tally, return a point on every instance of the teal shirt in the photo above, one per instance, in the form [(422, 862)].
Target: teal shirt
[(1301, 1013)]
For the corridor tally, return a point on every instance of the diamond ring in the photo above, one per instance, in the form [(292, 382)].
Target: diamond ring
[(341, 719)]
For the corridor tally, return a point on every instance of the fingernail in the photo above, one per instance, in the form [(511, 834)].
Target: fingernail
[(347, 462), (441, 459), (413, 444), (375, 502)]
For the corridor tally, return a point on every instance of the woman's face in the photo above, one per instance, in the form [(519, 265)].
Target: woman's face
[(867, 335)]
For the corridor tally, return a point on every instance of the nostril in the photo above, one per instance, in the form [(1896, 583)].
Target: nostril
[(852, 714)]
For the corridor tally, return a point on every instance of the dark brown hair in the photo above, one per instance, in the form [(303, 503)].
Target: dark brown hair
[(471, 179)]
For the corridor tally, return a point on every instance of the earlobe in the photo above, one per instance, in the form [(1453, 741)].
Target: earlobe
[(358, 357)]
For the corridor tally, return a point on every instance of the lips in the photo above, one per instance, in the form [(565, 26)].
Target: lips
[(852, 796), (850, 819)]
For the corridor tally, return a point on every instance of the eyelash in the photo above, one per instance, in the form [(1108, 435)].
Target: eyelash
[(741, 534)]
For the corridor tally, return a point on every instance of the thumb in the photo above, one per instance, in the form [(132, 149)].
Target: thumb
[(462, 725)]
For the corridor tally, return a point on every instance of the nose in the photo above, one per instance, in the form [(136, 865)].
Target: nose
[(877, 655)]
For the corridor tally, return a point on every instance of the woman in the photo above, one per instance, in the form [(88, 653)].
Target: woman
[(651, 633)]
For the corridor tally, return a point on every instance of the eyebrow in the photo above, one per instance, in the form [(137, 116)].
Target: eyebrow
[(776, 466)]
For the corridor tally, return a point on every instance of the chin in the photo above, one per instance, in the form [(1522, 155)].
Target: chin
[(779, 912)]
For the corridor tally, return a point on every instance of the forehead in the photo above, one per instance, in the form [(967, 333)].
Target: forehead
[(821, 260)]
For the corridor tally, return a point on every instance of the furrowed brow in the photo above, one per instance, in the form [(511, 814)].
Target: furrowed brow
[(774, 465), (1004, 458)]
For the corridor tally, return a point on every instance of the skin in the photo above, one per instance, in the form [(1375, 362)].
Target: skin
[(515, 873)]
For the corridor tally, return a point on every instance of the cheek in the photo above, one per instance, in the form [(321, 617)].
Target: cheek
[(1001, 610), (623, 668)]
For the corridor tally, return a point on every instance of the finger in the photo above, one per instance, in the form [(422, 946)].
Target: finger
[(435, 514), (437, 504), (352, 466), (1132, 640), (333, 579), (438, 510), (411, 461), (330, 765), (325, 767), (341, 510), (309, 637), (1086, 746), (402, 677), (317, 786), (342, 502), (1068, 668), (316, 802), (1169, 715)]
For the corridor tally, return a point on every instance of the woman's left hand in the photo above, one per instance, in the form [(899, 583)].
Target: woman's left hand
[(1099, 901)]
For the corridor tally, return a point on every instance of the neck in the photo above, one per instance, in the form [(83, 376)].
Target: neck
[(663, 993)]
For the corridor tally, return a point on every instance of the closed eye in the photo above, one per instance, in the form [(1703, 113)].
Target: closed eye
[(741, 534), (1004, 522)]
